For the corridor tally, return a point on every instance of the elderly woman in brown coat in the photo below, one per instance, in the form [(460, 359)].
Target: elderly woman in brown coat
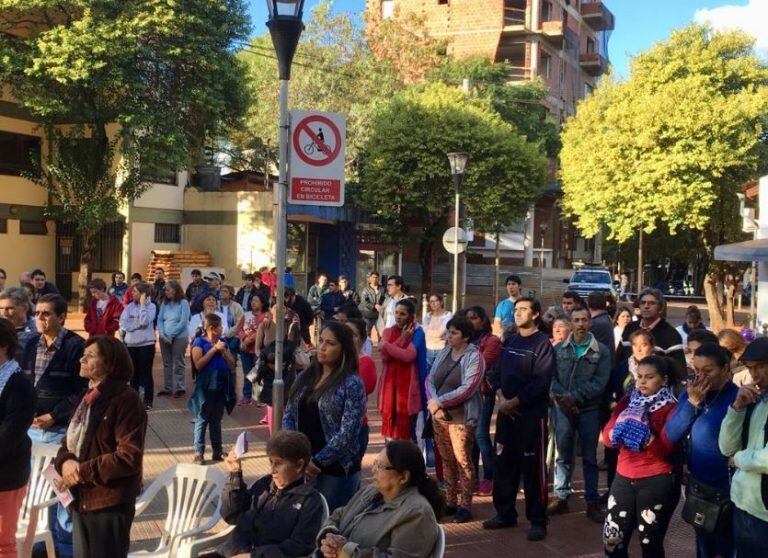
[(395, 517), (101, 456)]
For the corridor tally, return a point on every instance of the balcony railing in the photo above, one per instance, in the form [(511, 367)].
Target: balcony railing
[(593, 63), (597, 15), (518, 73), (514, 16)]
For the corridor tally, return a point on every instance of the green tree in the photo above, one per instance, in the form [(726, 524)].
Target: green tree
[(123, 90), (670, 147), (404, 174)]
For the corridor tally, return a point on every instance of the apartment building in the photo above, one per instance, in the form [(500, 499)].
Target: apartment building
[(563, 42)]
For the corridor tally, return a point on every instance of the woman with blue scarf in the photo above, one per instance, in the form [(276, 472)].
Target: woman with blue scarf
[(646, 489)]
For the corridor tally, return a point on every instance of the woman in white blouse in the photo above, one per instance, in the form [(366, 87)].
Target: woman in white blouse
[(435, 327)]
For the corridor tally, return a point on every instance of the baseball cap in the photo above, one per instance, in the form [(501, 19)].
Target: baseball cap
[(211, 276)]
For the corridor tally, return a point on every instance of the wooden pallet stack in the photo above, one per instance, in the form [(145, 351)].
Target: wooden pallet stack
[(173, 262)]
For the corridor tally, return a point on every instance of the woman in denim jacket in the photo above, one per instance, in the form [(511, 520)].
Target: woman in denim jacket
[(327, 403)]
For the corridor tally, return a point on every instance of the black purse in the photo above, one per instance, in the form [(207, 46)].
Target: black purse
[(706, 507)]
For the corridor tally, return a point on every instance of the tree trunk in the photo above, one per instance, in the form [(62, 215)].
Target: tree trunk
[(712, 290), (640, 262), (426, 252), (86, 253), (496, 269)]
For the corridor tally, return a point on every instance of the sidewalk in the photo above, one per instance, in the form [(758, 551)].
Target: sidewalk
[(169, 441)]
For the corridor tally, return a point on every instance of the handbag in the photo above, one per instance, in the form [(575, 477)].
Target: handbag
[(706, 507)]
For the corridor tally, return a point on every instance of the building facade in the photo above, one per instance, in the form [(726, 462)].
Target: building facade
[(562, 42)]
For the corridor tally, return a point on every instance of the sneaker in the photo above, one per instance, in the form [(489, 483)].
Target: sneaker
[(536, 533), (485, 488), (217, 457), (147, 406), (498, 522), (179, 393), (462, 515), (198, 459), (450, 510), (557, 506), (595, 513), (245, 402), (164, 393)]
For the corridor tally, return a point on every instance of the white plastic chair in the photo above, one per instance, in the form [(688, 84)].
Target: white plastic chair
[(192, 490), (33, 516), (439, 549), (193, 548)]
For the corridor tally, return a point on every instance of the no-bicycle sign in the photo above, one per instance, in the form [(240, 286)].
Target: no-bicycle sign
[(317, 158)]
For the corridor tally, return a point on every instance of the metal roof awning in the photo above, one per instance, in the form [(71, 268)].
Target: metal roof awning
[(749, 251)]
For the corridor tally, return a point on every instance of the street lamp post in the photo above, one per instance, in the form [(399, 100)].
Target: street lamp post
[(458, 161), (543, 230), (285, 28)]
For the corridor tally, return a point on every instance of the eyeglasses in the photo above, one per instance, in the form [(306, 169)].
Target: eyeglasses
[(378, 466)]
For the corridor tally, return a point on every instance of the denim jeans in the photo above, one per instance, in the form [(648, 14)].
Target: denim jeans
[(338, 491), (431, 356), (59, 518), (174, 364), (587, 424), (248, 361), (483, 445), (210, 417), (750, 533)]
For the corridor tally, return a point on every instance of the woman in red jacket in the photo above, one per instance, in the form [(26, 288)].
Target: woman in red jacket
[(367, 370), (646, 489), (103, 316)]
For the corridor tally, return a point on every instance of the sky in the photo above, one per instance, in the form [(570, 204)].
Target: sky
[(639, 24)]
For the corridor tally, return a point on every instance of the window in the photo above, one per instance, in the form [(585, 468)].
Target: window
[(33, 227), (17, 153), (160, 177), (588, 89), (590, 44), (3, 226), (387, 9), (546, 65), (546, 11), (167, 233)]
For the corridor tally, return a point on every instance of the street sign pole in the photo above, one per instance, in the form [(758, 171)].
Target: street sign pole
[(456, 254)]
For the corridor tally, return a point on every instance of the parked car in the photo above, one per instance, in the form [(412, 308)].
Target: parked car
[(591, 279)]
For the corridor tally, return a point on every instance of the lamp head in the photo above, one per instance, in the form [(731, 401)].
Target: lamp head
[(458, 161), (285, 8)]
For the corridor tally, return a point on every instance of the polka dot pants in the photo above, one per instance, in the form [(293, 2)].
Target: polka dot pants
[(644, 504)]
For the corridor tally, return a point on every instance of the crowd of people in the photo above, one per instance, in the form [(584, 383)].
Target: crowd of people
[(672, 408)]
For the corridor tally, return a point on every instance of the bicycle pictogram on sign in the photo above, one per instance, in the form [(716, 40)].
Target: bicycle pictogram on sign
[(316, 140)]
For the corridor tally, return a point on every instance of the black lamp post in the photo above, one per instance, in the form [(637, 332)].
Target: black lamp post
[(458, 161), (285, 28)]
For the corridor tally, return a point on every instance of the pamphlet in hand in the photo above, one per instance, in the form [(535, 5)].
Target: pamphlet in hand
[(241, 445), (53, 477)]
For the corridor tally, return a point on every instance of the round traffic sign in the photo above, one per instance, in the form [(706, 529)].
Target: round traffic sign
[(449, 238), (316, 140)]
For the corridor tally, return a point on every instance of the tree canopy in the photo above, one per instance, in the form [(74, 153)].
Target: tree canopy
[(123, 90), (404, 173), (669, 147)]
